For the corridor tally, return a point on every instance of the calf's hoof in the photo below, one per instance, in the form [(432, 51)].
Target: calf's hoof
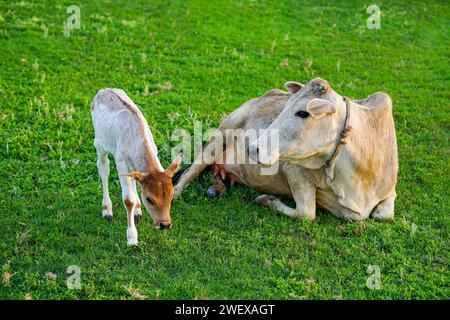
[(264, 199), (137, 218), (132, 236), (133, 244), (107, 214)]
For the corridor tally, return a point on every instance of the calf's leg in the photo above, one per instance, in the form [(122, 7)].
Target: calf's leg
[(103, 171), (138, 208), (130, 200)]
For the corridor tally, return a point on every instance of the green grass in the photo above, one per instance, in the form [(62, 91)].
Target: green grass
[(216, 55)]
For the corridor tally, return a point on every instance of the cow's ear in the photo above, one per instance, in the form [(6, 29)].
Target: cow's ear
[(293, 86), (174, 167), (318, 108), (135, 175)]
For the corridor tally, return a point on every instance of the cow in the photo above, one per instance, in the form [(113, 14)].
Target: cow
[(337, 153), (121, 129)]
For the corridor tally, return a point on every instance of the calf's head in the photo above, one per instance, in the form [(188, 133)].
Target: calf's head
[(157, 193), (307, 128)]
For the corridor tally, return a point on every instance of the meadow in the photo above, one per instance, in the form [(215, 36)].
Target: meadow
[(183, 61)]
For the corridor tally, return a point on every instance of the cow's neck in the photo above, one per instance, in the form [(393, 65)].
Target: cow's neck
[(351, 171), (342, 136)]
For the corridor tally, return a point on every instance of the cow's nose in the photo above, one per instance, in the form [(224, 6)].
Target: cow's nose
[(166, 225)]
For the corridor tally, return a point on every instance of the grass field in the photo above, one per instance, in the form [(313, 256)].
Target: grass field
[(215, 55)]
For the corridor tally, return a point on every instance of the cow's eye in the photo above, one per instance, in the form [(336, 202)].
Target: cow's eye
[(302, 114), (149, 200)]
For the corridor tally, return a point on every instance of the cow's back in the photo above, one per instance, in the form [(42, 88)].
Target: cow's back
[(257, 113)]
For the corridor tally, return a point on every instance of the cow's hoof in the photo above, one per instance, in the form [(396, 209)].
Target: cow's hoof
[(264, 199), (108, 217), (137, 218), (212, 192)]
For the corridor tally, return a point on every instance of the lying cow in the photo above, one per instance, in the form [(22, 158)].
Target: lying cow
[(121, 129), (336, 152)]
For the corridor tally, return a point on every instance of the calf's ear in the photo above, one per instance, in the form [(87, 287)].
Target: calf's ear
[(135, 175), (293, 86), (174, 167), (318, 108)]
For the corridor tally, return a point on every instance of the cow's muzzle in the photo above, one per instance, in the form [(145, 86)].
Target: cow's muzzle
[(163, 225)]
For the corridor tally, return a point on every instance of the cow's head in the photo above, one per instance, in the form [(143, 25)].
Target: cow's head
[(308, 127), (157, 193)]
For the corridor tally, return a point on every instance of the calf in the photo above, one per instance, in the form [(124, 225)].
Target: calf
[(121, 129)]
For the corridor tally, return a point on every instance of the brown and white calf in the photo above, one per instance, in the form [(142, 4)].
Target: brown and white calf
[(121, 129)]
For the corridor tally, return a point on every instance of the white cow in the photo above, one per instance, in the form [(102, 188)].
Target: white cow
[(335, 152), (121, 129)]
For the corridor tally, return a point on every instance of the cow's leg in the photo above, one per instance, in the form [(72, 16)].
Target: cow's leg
[(303, 192), (276, 204), (384, 210), (138, 209), (130, 200), (191, 173), (203, 160), (103, 171)]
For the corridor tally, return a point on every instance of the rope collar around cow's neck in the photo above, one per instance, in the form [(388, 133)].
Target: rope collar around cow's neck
[(343, 134)]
